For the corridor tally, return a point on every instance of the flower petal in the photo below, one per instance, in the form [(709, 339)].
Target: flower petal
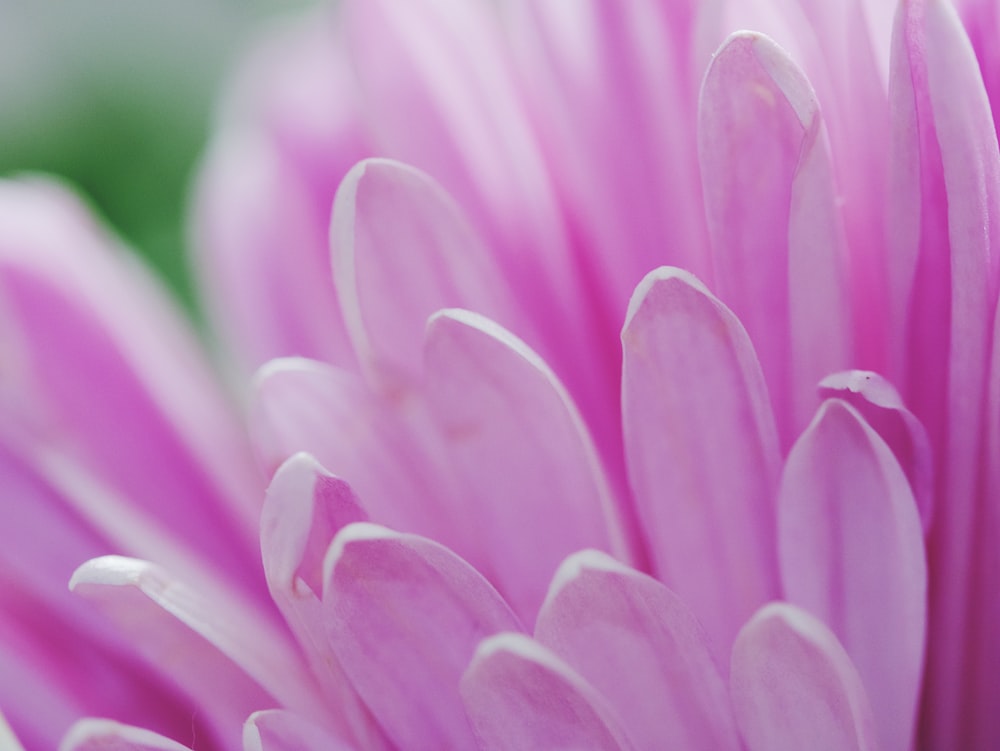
[(702, 451), (107, 735), (523, 451), (852, 553), (794, 687), (403, 616), (518, 695), (639, 646), (391, 275), (776, 237), (8, 741), (279, 730), (880, 405)]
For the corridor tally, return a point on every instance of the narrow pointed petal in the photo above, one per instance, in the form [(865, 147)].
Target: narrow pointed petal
[(639, 646), (223, 652), (107, 735), (404, 616), (794, 687), (881, 406), (279, 730), (523, 451), (702, 450), (944, 233), (776, 235), (518, 695), (391, 275), (851, 550)]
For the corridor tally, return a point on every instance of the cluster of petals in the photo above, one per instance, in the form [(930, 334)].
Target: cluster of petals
[(639, 391)]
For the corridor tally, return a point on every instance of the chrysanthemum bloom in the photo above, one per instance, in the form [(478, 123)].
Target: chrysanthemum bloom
[(766, 517)]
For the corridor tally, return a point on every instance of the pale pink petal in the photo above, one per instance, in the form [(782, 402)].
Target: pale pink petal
[(702, 451), (222, 652), (8, 741), (794, 687), (278, 730), (304, 509), (880, 405), (107, 735), (518, 695), (404, 616), (391, 275), (98, 364), (852, 554), (944, 236), (776, 237), (523, 452), (639, 646), (388, 449)]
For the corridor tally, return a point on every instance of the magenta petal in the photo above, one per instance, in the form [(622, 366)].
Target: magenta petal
[(278, 730), (702, 451), (794, 687), (391, 275), (223, 652), (523, 451), (852, 553), (776, 234), (404, 616), (519, 696), (640, 646), (8, 741), (107, 735), (880, 405)]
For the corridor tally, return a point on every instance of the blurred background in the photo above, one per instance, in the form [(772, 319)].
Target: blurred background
[(116, 97)]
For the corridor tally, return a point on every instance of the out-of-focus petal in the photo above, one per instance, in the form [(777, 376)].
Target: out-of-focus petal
[(880, 405), (528, 464), (702, 450), (944, 222), (8, 741), (401, 250), (98, 363), (777, 241), (107, 735), (279, 730), (852, 553), (222, 652), (641, 648), (518, 695), (794, 687), (404, 616)]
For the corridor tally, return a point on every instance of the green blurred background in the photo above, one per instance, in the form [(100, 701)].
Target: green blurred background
[(116, 96)]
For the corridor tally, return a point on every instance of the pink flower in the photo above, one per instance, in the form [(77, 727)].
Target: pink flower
[(766, 517)]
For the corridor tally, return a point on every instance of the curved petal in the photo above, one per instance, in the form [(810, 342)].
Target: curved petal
[(702, 451), (639, 646), (403, 616), (776, 237), (279, 730), (107, 735), (8, 741), (794, 687), (852, 553), (529, 466), (518, 695)]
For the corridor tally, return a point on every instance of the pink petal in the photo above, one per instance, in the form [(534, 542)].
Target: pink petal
[(229, 658), (388, 449), (851, 551), (99, 366), (794, 687), (8, 741), (523, 451), (702, 451), (519, 696), (943, 233), (404, 616), (776, 234), (639, 646), (107, 735), (880, 405), (278, 730), (304, 508), (391, 275)]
